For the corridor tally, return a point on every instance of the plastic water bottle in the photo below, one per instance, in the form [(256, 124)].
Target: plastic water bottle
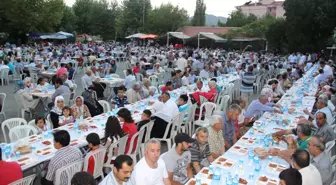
[(211, 168), (198, 180), (257, 166), (236, 180), (76, 125), (241, 166), (216, 177), (229, 179)]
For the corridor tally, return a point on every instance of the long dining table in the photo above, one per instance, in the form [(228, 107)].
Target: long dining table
[(41, 147), (240, 164)]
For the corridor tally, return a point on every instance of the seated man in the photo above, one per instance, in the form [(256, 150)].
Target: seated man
[(320, 159), (290, 176), (61, 70), (178, 159), (210, 95), (167, 87), (120, 100), (229, 130), (133, 93), (60, 89), (200, 150), (216, 139), (65, 155), (259, 106), (183, 106), (322, 106)]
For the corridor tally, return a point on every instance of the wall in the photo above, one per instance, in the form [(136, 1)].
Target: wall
[(258, 11), (280, 12)]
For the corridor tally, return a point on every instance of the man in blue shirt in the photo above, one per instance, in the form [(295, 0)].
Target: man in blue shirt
[(259, 106)]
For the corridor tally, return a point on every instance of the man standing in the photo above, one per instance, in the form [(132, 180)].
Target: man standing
[(321, 160), (178, 159), (121, 173), (200, 150), (229, 128), (182, 63), (151, 169)]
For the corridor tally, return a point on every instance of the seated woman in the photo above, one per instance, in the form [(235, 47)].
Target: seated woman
[(128, 127), (80, 110), (56, 111)]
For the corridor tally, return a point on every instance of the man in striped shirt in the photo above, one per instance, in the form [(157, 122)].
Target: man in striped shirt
[(65, 155)]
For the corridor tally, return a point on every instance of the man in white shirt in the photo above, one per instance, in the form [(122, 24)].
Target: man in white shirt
[(322, 106), (165, 111), (151, 169), (129, 80), (133, 93), (182, 63), (185, 80), (326, 68), (310, 174)]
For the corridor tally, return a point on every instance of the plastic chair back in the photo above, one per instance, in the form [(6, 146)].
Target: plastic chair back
[(63, 175), (98, 157), (11, 123), (25, 181), (21, 132)]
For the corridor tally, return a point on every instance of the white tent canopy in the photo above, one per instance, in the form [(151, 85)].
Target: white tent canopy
[(137, 35), (209, 36), (179, 35), (53, 36), (65, 34)]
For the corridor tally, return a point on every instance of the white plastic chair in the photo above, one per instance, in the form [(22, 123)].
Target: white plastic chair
[(84, 84), (11, 123), (209, 107), (2, 103), (105, 105), (223, 102), (21, 132), (115, 76), (169, 128), (139, 77), (67, 99), (34, 76), (4, 75), (25, 181), (98, 157), (48, 123), (22, 107), (329, 146), (70, 170), (154, 80), (120, 145), (139, 135), (148, 128), (125, 73)]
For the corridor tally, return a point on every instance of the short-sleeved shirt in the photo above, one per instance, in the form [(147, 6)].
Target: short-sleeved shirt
[(143, 174), (10, 172), (216, 140), (63, 157), (199, 152), (121, 102), (228, 129), (324, 166), (303, 144), (177, 164)]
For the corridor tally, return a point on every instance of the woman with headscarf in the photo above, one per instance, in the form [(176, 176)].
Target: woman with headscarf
[(28, 83), (56, 111), (80, 110)]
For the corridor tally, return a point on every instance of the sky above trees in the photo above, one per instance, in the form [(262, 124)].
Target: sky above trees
[(214, 7)]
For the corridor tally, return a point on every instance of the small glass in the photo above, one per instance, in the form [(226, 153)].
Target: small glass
[(17, 155)]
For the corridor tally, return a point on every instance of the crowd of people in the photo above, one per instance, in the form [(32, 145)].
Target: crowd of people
[(311, 165)]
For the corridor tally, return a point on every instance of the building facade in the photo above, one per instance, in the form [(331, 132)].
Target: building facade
[(263, 7)]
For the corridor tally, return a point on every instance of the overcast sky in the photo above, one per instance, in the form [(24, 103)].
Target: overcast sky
[(214, 7)]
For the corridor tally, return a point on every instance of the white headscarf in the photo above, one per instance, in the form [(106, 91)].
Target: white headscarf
[(56, 109), (80, 109)]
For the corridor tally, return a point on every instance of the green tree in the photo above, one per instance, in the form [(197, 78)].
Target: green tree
[(310, 23), (239, 19), (69, 19), (167, 18), (199, 14), (134, 16), (276, 35), (82, 10)]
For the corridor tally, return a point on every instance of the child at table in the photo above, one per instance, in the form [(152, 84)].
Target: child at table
[(145, 118), (94, 144), (66, 118), (41, 125)]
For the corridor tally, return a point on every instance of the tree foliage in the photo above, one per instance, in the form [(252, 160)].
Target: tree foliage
[(310, 23), (199, 14), (134, 16), (238, 19), (167, 18), (276, 35), (68, 21)]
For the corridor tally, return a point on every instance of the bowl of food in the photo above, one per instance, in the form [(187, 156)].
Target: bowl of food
[(261, 153)]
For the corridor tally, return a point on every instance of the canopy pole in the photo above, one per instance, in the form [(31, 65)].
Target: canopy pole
[(198, 43), (168, 39)]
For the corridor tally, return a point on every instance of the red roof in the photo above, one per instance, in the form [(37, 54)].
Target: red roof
[(194, 30)]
